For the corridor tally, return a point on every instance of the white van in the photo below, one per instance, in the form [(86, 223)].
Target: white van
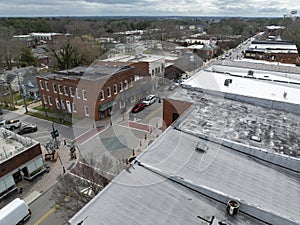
[(15, 213)]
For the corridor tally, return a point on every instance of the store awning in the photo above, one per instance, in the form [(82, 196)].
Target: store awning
[(106, 105)]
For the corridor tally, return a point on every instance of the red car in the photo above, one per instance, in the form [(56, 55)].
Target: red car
[(138, 107)]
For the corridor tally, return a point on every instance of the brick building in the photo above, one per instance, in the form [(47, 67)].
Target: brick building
[(20, 158), (93, 92), (274, 51)]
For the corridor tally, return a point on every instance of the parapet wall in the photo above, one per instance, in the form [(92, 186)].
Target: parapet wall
[(284, 106)]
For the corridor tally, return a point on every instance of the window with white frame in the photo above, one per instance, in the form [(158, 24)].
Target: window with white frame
[(66, 90), (71, 92), (41, 85), (60, 89), (62, 104), (57, 103), (84, 95), (131, 82), (45, 99), (101, 95), (74, 107), (49, 100), (108, 92), (86, 110), (126, 84), (47, 86), (115, 89), (77, 93), (121, 86), (54, 87)]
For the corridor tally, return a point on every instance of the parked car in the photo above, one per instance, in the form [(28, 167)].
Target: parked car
[(10, 124), (150, 99), (138, 107), (27, 128)]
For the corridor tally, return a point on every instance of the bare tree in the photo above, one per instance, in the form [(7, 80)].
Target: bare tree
[(10, 48), (84, 181)]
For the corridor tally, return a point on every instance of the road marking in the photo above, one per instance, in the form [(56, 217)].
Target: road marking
[(52, 210), (152, 113)]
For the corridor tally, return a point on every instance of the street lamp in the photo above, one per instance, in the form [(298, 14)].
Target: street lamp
[(22, 93)]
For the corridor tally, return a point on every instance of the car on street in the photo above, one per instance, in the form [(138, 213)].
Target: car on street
[(28, 128), (150, 99), (10, 124), (138, 107)]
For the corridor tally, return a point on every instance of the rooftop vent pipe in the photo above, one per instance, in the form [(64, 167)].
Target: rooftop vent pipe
[(232, 207)]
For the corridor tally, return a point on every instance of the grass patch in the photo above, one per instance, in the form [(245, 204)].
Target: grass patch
[(41, 108), (49, 118)]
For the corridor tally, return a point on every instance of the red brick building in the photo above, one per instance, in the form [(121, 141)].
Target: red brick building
[(173, 109), (93, 92)]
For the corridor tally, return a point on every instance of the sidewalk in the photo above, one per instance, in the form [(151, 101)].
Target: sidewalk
[(63, 164)]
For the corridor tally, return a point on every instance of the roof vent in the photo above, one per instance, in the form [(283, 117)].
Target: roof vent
[(232, 207)]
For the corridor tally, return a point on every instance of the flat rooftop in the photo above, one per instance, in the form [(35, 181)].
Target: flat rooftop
[(217, 117), (93, 72), (247, 85), (165, 187), (12, 144)]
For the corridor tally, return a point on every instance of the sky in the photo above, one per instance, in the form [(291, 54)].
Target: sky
[(244, 8)]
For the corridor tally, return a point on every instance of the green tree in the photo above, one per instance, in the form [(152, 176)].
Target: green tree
[(27, 58)]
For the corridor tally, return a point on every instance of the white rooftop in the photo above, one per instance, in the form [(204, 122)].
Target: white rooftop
[(12, 144), (246, 86)]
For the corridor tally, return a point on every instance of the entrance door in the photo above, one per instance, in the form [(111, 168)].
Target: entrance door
[(68, 107)]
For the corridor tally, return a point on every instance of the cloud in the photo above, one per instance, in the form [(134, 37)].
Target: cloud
[(146, 7)]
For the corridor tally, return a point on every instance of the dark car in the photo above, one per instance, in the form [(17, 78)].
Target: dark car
[(27, 128), (138, 107)]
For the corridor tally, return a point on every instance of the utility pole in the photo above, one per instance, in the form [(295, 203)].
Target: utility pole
[(22, 93)]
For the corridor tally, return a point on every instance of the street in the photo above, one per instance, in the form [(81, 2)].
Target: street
[(118, 141)]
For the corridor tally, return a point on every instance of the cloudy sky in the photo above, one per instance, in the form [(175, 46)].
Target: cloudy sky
[(252, 8)]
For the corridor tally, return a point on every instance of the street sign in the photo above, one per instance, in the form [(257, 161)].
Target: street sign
[(54, 134)]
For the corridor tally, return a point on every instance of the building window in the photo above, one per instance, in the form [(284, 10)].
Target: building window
[(47, 86), (60, 89), (54, 88), (49, 100), (45, 99), (101, 95), (86, 110), (77, 93), (57, 103), (115, 89), (126, 84), (71, 92), (108, 92), (66, 90), (74, 107), (62, 104), (41, 85), (84, 95), (131, 82), (121, 86)]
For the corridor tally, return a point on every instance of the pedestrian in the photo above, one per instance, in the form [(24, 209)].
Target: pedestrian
[(65, 142)]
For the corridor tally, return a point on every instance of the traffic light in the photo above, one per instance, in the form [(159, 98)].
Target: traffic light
[(54, 134)]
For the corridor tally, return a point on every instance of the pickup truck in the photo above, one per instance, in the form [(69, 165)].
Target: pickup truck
[(10, 124)]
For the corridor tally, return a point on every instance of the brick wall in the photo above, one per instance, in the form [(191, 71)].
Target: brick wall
[(92, 89), (172, 107), (20, 159)]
